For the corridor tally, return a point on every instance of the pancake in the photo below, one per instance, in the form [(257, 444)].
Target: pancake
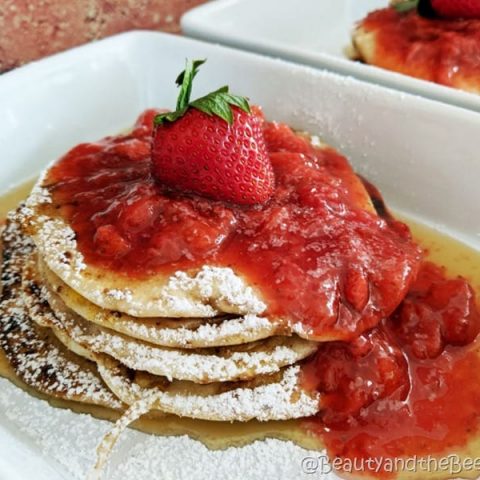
[(275, 397), (205, 293), (72, 373), (267, 397), (364, 43), (437, 50), (176, 333), (34, 353), (43, 363), (201, 365)]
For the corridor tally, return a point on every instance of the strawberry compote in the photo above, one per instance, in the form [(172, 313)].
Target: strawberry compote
[(316, 251), (439, 50), (408, 387)]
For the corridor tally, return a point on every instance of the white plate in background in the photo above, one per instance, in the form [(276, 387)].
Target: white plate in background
[(312, 32), (423, 155)]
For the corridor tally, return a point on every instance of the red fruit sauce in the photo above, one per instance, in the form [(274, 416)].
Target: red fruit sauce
[(409, 387), (442, 51), (313, 251)]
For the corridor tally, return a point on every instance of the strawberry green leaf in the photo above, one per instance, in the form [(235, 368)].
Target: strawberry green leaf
[(219, 102), (406, 6), (168, 117), (240, 102)]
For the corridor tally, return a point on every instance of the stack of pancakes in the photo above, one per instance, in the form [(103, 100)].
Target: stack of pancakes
[(198, 342)]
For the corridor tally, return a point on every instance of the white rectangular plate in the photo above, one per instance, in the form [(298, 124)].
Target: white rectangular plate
[(423, 155), (312, 32)]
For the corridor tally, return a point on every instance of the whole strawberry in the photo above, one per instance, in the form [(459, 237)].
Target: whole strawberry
[(212, 146), (451, 9), (456, 8)]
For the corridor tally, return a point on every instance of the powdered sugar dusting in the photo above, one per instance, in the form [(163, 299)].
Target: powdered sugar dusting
[(35, 358), (125, 294), (267, 459), (58, 246), (39, 194), (277, 400), (44, 367), (220, 285), (53, 236), (302, 330), (189, 333), (208, 333), (249, 327), (223, 364), (49, 431)]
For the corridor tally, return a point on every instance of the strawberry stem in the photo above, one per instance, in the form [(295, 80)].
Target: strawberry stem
[(219, 102), (185, 82)]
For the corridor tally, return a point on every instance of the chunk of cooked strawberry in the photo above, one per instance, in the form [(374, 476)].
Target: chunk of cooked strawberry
[(110, 242), (351, 376), (437, 311), (140, 215), (281, 138)]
